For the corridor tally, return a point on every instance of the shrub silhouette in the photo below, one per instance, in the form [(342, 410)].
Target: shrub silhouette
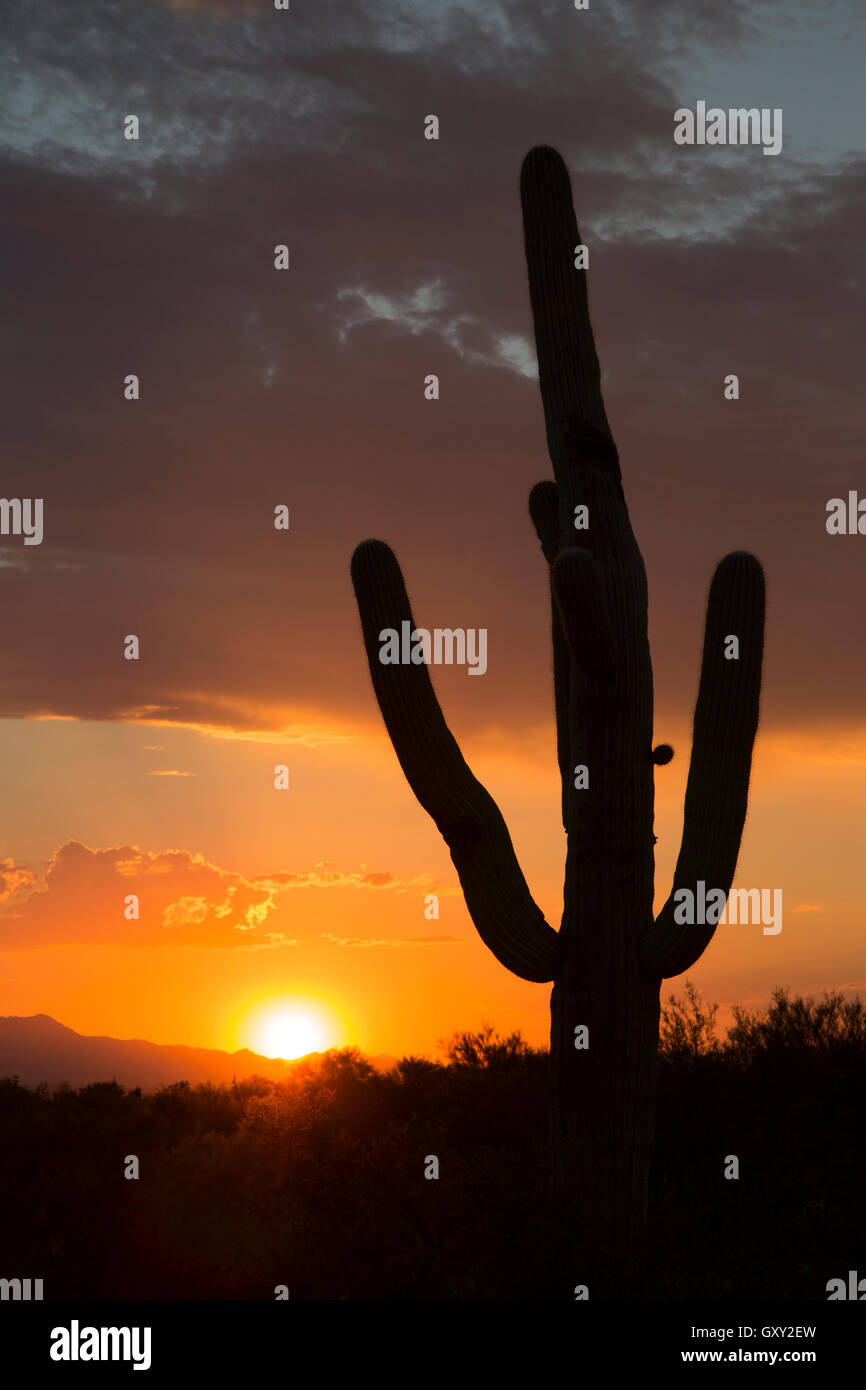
[(800, 1025), (687, 1028), (486, 1049)]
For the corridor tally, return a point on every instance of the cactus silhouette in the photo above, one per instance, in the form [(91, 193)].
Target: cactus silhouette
[(609, 956)]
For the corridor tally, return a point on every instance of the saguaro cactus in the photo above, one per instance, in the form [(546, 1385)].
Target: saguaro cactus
[(609, 956)]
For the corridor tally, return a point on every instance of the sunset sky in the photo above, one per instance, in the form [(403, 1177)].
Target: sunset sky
[(306, 388)]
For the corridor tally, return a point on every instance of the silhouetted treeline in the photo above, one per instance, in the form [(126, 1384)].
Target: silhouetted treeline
[(318, 1183)]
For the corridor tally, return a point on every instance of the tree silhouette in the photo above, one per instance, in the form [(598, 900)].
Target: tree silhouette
[(609, 956)]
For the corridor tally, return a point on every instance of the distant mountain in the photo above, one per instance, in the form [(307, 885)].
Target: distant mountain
[(40, 1049)]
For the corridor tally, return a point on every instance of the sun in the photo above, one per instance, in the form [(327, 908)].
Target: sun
[(291, 1030)]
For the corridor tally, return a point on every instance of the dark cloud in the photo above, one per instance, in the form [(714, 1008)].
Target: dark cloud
[(306, 387)]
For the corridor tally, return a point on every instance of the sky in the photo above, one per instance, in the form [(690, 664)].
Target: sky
[(305, 388)]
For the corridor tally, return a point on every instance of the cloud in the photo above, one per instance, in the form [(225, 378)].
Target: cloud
[(13, 880), (424, 311), (365, 942), (183, 899), (201, 91), (327, 875)]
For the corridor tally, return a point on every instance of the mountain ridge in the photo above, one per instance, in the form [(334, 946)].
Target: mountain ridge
[(38, 1049)]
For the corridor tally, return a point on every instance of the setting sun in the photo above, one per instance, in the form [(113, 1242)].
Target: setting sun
[(291, 1030)]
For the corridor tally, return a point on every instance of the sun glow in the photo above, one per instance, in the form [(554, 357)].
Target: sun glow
[(291, 1030)]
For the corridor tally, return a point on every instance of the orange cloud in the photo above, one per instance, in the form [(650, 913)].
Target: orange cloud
[(327, 875), (393, 941), (12, 880), (183, 900)]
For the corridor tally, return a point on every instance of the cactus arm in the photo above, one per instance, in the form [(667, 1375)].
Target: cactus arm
[(726, 719), (544, 510), (505, 915), (569, 373)]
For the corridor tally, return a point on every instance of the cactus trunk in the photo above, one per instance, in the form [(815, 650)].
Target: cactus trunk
[(602, 1110)]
